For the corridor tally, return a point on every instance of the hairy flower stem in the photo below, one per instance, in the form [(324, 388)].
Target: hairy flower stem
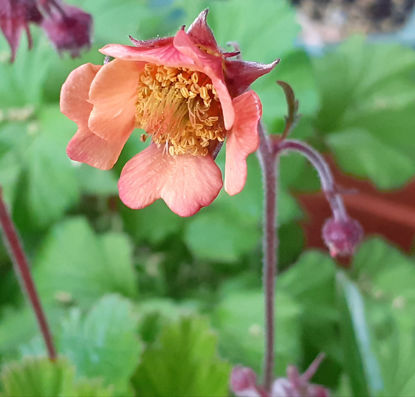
[(22, 270), (270, 245), (319, 163)]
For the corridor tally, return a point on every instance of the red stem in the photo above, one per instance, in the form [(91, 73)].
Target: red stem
[(22, 270), (270, 245), (320, 164)]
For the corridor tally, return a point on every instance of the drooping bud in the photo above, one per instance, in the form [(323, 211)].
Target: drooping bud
[(69, 29), (342, 236), (16, 15)]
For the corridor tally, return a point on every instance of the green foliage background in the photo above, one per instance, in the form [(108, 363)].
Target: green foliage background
[(147, 303)]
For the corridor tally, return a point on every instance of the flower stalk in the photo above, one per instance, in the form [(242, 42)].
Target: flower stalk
[(22, 270), (270, 246), (317, 161), (341, 233)]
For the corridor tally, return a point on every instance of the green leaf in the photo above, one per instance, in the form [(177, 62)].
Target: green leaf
[(22, 81), (77, 265), (397, 361), (183, 363), (368, 80), (104, 342), (213, 236), (156, 313), (311, 281), (96, 182), (37, 377), (363, 155), (369, 110), (272, 26), (239, 320), (18, 327), (34, 377), (49, 186), (230, 228), (91, 388), (386, 278), (153, 224), (360, 362)]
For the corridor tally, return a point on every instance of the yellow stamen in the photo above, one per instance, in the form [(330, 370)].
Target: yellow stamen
[(180, 109)]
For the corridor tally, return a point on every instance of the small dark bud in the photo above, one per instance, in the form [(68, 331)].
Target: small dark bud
[(69, 29), (342, 236)]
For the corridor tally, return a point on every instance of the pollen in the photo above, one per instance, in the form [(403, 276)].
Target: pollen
[(180, 110)]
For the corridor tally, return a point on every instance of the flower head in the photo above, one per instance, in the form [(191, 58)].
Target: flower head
[(188, 96)]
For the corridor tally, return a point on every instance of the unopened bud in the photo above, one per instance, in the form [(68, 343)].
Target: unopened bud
[(342, 236)]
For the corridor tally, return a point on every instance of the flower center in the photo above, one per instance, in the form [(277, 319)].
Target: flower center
[(180, 109)]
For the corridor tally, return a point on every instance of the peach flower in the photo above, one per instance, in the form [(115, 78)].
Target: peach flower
[(188, 96)]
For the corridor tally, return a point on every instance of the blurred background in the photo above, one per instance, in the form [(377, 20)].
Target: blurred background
[(158, 305)]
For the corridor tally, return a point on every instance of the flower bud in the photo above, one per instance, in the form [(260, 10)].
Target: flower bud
[(342, 236), (243, 382), (69, 29)]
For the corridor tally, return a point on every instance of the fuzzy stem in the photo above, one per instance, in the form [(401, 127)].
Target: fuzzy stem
[(319, 163), (270, 244), (22, 270)]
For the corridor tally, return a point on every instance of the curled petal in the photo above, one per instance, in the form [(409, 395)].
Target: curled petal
[(152, 43), (211, 65), (75, 92), (241, 74), (186, 183), (242, 140), (113, 96), (85, 146), (162, 53), (200, 32)]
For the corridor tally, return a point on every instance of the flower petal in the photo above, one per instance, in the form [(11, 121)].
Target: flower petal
[(85, 146), (152, 43), (211, 65), (163, 53), (200, 32), (241, 74), (88, 148), (74, 93), (113, 96), (242, 140), (186, 183)]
